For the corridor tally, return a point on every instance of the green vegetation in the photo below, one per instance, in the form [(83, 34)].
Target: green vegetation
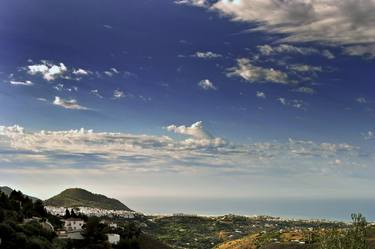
[(15, 232), (6, 190), (76, 197), (207, 232), (355, 237), (236, 232), (23, 225)]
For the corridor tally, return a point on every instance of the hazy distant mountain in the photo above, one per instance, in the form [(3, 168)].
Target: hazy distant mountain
[(7, 190), (77, 197)]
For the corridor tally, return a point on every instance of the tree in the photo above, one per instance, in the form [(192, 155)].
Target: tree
[(39, 209), (352, 238), (94, 231), (2, 215), (67, 214)]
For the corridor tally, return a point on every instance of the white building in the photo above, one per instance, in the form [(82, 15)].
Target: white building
[(62, 234), (113, 238), (73, 224)]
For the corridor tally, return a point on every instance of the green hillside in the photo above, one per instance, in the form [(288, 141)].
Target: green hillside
[(76, 197)]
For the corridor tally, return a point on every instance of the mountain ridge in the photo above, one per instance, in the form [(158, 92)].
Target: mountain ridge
[(7, 190), (78, 197)]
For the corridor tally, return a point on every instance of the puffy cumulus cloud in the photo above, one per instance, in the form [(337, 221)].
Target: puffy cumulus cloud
[(337, 22), (114, 152), (11, 130), (21, 83), (207, 84), (206, 55), (291, 49), (68, 103), (256, 74), (195, 130), (261, 95), (48, 70), (51, 71), (118, 94)]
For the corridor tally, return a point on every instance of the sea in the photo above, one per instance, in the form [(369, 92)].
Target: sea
[(292, 208)]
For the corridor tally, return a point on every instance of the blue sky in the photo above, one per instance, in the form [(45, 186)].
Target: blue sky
[(188, 97)]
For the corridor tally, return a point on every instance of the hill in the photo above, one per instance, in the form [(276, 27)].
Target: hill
[(77, 197), (7, 190)]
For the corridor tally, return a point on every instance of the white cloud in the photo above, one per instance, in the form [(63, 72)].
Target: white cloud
[(257, 74), (118, 94), (369, 135), (196, 130), (59, 87), (42, 99), (207, 55), (282, 101), (361, 100), (198, 3), (22, 83), (47, 70), (120, 152), (291, 49), (96, 93), (80, 71), (304, 89), (68, 104), (328, 54), (361, 50), (305, 68), (342, 22), (296, 103), (261, 95), (107, 26), (112, 71), (206, 84)]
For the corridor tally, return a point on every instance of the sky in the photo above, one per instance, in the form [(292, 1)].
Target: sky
[(188, 98)]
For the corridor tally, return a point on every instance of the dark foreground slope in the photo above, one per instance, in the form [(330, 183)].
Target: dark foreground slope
[(77, 197)]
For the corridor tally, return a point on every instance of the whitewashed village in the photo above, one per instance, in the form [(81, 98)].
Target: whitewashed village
[(74, 226)]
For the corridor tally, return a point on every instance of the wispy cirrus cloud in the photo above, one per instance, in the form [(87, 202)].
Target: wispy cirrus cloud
[(341, 22), (48, 70), (21, 83), (347, 23), (291, 49)]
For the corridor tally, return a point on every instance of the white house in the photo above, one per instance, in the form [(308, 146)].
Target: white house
[(113, 238), (73, 224), (62, 234)]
